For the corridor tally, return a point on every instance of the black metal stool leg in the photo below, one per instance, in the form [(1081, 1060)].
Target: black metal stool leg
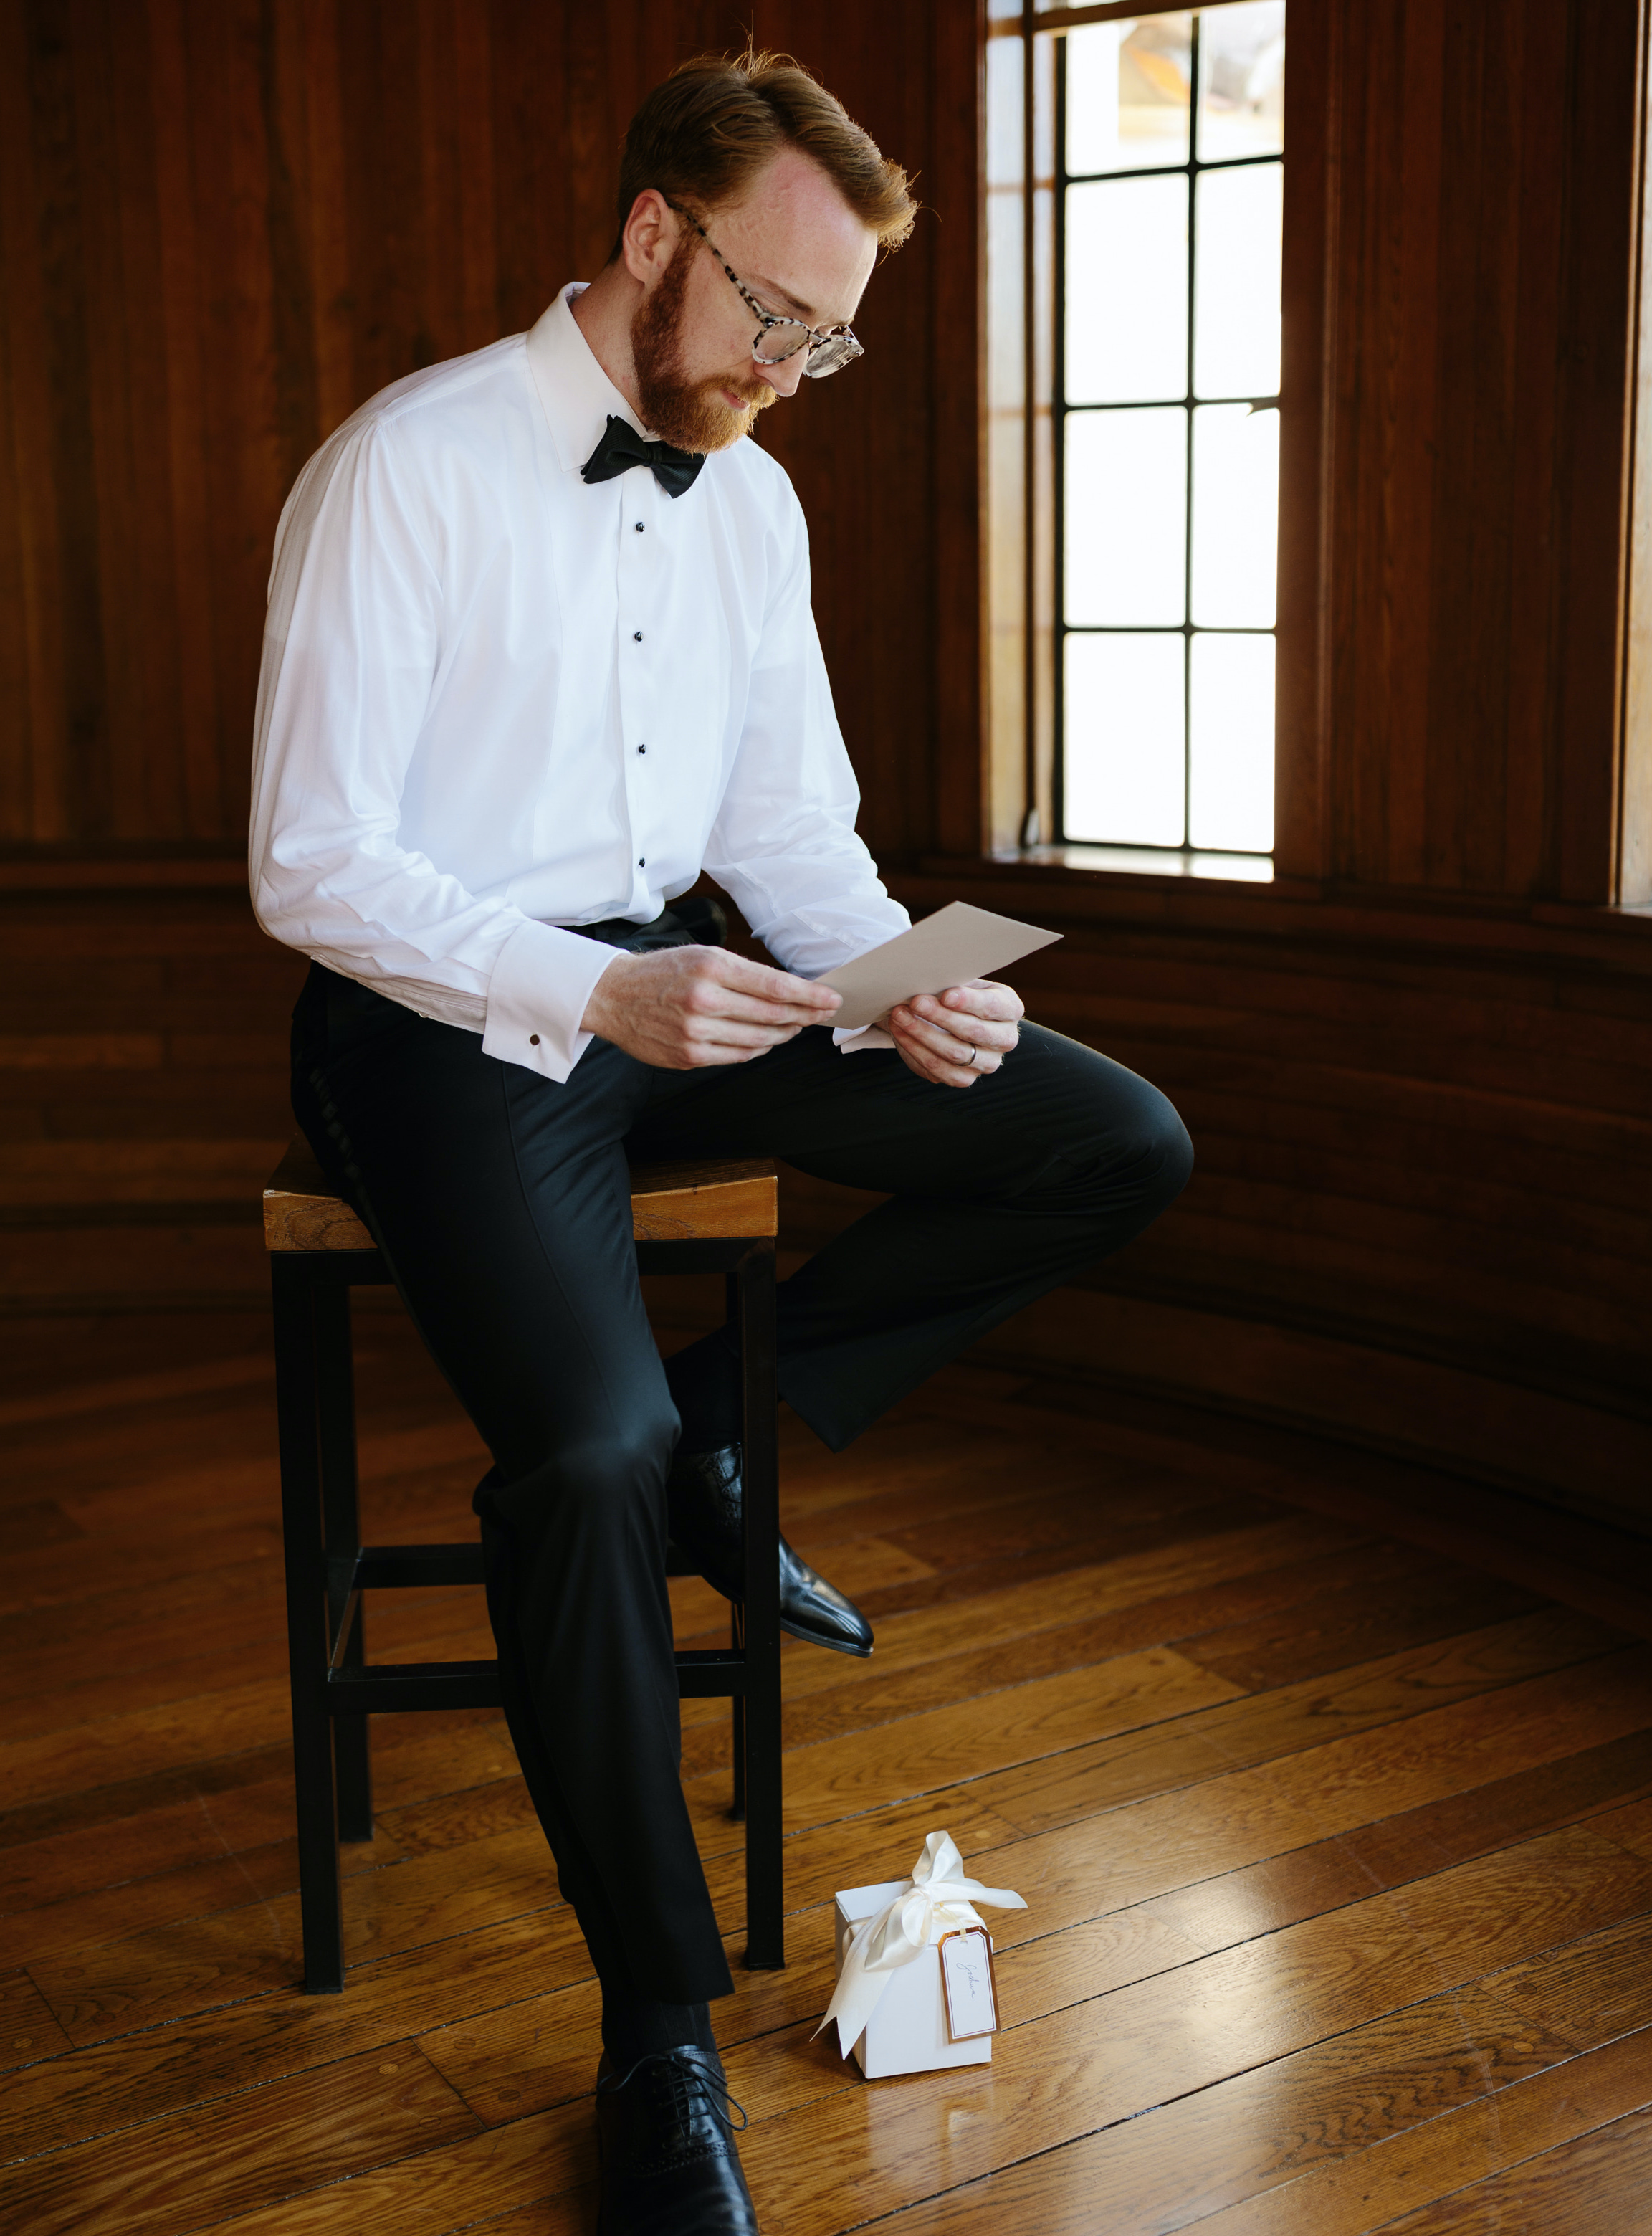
[(336, 1417), (765, 1904), (736, 1640), (307, 1626)]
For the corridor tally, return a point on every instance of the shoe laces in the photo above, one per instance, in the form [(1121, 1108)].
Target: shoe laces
[(690, 2083)]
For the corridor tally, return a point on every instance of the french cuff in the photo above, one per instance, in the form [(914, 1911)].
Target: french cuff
[(537, 995), (868, 1036)]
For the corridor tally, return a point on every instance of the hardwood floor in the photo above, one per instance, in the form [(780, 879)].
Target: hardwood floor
[(1334, 1829)]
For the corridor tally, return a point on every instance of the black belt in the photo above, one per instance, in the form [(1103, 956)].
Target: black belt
[(693, 921)]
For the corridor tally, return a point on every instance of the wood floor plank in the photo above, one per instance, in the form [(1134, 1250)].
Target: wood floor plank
[(899, 1676), (871, 1693), (127, 2080), (1087, 2068), (171, 1969), (1599, 2180), (1365, 1858), (954, 1479), (64, 1816), (1253, 1569), (1262, 2129), (233, 1646), (1371, 2190), (1249, 2136), (573, 2214), (1102, 1541), (528, 2056), (1361, 1621), (443, 2190), (158, 1386), (1631, 1827), (1005, 1530), (374, 2201), (44, 1936), (1369, 1918), (191, 2013), (865, 1770), (28, 2031), (1597, 1988), (58, 1576), (413, 1757), (225, 2159), (1268, 1725), (241, 1717), (1196, 1835)]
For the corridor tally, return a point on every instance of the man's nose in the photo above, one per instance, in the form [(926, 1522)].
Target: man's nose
[(784, 377)]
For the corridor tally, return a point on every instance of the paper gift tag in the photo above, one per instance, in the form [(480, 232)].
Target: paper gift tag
[(966, 1977)]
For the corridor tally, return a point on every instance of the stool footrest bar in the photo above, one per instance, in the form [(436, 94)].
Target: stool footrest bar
[(381, 1568), (715, 1674), (399, 1687)]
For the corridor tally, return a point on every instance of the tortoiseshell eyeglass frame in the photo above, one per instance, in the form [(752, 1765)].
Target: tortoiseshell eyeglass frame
[(836, 343)]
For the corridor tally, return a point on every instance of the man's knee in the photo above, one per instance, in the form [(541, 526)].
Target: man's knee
[(1140, 1156), (605, 1485), (1166, 1150)]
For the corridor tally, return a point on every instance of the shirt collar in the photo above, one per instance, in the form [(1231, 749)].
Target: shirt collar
[(577, 397)]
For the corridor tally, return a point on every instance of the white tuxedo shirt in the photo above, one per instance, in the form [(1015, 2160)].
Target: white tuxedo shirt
[(496, 702)]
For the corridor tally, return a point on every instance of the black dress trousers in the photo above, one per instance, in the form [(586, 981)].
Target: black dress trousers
[(501, 1202)]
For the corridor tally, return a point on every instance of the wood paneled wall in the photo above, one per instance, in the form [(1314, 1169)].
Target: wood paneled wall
[(1417, 1070), (1461, 290), (224, 223)]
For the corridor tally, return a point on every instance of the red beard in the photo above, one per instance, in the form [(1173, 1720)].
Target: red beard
[(692, 414)]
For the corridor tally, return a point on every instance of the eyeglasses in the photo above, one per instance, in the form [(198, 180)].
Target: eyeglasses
[(830, 348)]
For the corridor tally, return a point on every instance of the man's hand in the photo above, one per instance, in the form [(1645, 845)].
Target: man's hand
[(953, 1038), (682, 1007)]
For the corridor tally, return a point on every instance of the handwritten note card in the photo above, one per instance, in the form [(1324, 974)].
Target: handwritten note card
[(966, 1975)]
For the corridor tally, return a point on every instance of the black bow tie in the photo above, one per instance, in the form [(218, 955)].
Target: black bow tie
[(622, 446)]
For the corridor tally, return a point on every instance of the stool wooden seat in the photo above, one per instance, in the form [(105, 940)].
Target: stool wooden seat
[(697, 1217)]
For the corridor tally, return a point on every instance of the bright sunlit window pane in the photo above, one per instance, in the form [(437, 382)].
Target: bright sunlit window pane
[(1169, 432), (1236, 519), (1242, 81), (1128, 95), (1126, 290), (1231, 739), (1125, 518), (1236, 281), (1125, 742)]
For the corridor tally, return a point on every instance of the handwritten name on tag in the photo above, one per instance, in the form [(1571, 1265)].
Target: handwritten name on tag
[(966, 1977)]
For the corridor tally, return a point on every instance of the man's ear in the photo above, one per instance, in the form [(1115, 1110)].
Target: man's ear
[(648, 237)]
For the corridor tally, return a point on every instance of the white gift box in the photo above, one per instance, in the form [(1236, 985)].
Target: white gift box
[(899, 1944), (907, 2031)]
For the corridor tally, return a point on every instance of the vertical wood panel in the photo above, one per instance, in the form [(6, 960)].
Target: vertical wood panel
[(32, 624), (1314, 102), (188, 584), (1480, 205), (1634, 803)]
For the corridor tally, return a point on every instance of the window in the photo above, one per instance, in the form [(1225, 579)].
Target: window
[(1167, 209)]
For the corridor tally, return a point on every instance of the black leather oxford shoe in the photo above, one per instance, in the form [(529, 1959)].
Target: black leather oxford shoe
[(703, 1501), (665, 2138)]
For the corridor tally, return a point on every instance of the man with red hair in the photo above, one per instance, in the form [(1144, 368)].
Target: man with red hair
[(540, 652)]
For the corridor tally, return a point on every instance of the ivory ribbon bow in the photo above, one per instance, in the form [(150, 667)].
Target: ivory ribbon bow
[(936, 1899)]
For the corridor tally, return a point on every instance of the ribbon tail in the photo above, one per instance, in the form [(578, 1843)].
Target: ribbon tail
[(995, 1898), (858, 1990)]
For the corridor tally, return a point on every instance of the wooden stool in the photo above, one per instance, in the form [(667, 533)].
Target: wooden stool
[(686, 1218)]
